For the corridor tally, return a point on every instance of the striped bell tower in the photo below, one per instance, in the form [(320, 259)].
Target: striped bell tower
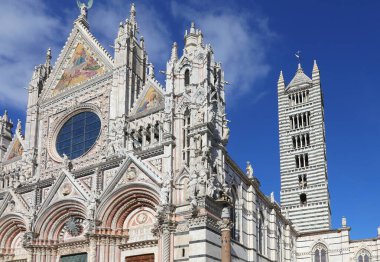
[(303, 165)]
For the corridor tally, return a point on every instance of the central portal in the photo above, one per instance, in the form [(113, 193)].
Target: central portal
[(141, 258)]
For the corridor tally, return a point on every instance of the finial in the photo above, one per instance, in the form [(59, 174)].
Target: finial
[(174, 55), (298, 55), (5, 116), (133, 12), (192, 28), (344, 222), (18, 127), (48, 58)]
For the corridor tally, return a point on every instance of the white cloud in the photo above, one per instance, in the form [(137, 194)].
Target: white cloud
[(26, 30), (240, 41), (106, 17)]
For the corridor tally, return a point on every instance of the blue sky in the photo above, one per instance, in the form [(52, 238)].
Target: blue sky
[(254, 40)]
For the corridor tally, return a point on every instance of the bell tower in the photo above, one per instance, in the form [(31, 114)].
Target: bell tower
[(303, 165)]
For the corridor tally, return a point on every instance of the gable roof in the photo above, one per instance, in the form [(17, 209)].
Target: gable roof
[(151, 99), (66, 182), (81, 59), (123, 169), (16, 147)]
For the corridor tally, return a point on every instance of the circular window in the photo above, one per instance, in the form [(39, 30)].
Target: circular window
[(78, 135)]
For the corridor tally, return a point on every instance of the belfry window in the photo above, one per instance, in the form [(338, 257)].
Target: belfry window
[(302, 180), (302, 160), (303, 198), (298, 121), (187, 77), (301, 141), (299, 98)]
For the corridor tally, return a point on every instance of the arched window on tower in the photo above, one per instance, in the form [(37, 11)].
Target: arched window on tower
[(363, 256), (320, 253), (187, 77)]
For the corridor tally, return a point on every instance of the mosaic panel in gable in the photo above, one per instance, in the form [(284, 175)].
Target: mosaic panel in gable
[(82, 67)]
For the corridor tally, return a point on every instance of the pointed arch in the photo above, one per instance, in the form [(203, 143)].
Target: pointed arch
[(320, 253)]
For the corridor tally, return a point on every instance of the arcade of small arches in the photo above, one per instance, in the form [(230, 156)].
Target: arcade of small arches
[(145, 136)]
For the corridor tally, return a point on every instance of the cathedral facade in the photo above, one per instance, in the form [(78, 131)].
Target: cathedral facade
[(112, 166)]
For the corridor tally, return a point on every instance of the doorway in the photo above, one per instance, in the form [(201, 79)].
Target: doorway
[(141, 258)]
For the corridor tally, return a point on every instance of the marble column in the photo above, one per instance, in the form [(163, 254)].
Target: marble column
[(225, 234)]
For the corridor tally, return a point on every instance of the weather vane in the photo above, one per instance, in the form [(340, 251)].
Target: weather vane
[(298, 55), (83, 7)]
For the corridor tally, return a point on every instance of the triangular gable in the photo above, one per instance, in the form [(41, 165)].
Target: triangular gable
[(150, 100), (11, 203), (16, 147), (66, 186), (81, 60), (122, 174)]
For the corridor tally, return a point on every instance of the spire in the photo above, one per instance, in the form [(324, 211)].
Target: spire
[(132, 19), (315, 66), (133, 12), (5, 116), (174, 55), (315, 73), (192, 28), (48, 61), (281, 78)]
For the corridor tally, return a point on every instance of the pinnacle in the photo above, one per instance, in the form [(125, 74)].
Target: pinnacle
[(281, 77), (315, 66)]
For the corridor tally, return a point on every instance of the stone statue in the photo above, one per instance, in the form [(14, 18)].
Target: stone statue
[(200, 116), (226, 131), (198, 144), (83, 7), (202, 181), (66, 162), (165, 189), (249, 170), (192, 189)]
